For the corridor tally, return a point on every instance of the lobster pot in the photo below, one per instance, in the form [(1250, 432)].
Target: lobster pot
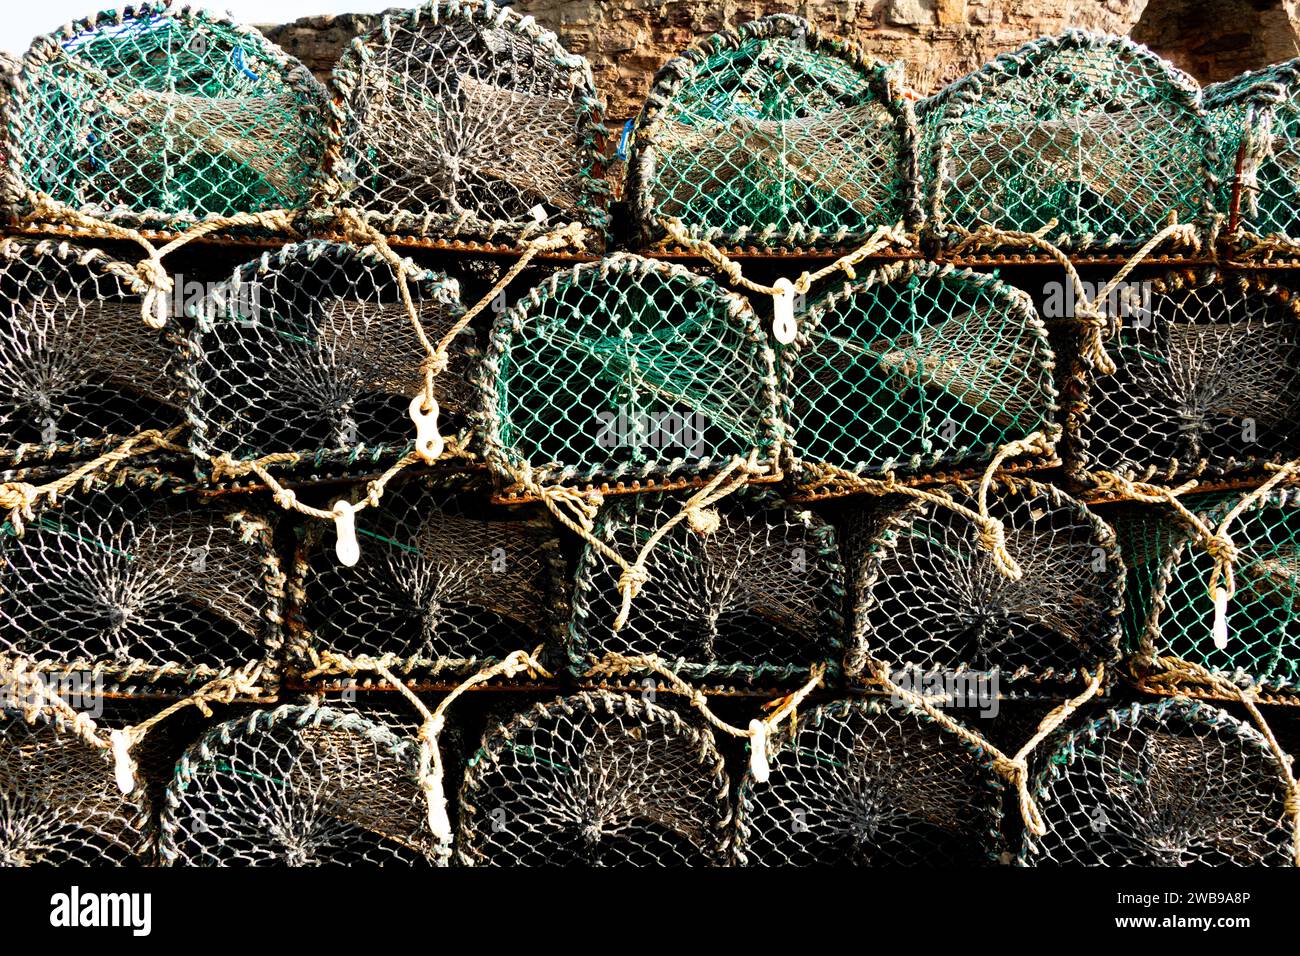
[(869, 783), (1172, 783), (744, 591), (464, 119), (161, 115), (917, 366), (446, 583), (311, 350), (79, 369), (596, 779), (10, 185), (1170, 608), (141, 583), (627, 370), (929, 599), (298, 786), (774, 135), (1093, 132), (1207, 382)]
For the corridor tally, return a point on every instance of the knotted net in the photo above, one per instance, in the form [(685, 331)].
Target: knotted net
[(1093, 132), (1207, 381), (298, 786), (596, 779), (160, 115), (1171, 783), (774, 134), (463, 118)]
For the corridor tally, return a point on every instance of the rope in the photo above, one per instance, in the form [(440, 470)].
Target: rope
[(759, 730)]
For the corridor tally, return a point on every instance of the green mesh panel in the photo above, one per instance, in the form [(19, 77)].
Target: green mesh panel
[(867, 783), (1092, 131), (1207, 381), (1173, 783), (311, 350), (917, 366), (775, 134), (759, 598), (627, 369), (1171, 611), (163, 115), (463, 118)]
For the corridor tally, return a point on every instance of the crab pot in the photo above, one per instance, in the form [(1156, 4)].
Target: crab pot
[(758, 598), (311, 350), (463, 119), (139, 582), (596, 779), (1207, 382), (446, 584), (298, 786), (775, 135), (79, 369), (929, 599), (1092, 131), (915, 367), (158, 116), (628, 371), (1170, 611), (869, 783), (1175, 783)]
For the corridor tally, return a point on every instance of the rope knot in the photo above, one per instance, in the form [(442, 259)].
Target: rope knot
[(18, 496), (285, 498), (993, 539), (703, 520)]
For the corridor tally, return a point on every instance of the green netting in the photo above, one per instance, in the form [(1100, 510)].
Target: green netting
[(627, 369), (1091, 131), (161, 115), (464, 118), (774, 134), (917, 366), (1207, 381), (1170, 610)]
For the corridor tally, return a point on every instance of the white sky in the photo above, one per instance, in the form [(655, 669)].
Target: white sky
[(21, 20)]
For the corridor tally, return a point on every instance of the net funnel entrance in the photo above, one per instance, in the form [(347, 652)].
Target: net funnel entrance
[(311, 350), (464, 119), (596, 779), (79, 369), (758, 598), (142, 583), (1176, 783), (1094, 132), (159, 115), (917, 366), (446, 583), (775, 135), (929, 598), (627, 370), (298, 787), (1207, 382), (868, 783)]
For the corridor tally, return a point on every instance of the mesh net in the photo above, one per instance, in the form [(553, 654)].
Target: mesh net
[(930, 599), (311, 350), (298, 786), (1207, 381), (445, 583), (917, 366), (1173, 783), (78, 367), (775, 134), (464, 118), (163, 115), (145, 585), (865, 783), (595, 779), (1092, 131), (759, 597), (627, 369)]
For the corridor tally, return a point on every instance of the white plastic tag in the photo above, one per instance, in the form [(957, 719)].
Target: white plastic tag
[(758, 767), (784, 327), (122, 770), (345, 525), (428, 441), (539, 214), (1220, 619)]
